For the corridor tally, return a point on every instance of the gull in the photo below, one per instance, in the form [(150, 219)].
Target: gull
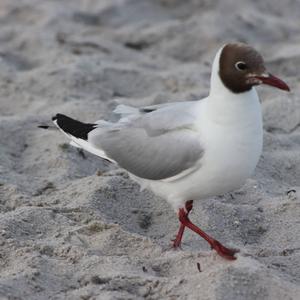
[(186, 151)]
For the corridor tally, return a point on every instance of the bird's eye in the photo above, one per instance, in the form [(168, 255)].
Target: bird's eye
[(241, 66)]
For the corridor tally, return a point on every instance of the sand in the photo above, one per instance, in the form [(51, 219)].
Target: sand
[(73, 226)]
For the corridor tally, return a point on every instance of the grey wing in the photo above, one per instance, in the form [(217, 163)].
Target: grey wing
[(156, 146), (125, 110)]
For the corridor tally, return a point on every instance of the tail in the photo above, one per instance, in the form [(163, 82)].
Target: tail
[(78, 133)]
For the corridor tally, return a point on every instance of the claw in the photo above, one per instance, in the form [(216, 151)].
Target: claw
[(176, 244), (223, 251)]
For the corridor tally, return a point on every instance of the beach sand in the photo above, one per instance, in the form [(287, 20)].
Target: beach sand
[(73, 226)]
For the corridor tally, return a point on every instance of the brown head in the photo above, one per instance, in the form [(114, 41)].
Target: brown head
[(242, 67)]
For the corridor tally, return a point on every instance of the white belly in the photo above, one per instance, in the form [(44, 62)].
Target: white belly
[(228, 161)]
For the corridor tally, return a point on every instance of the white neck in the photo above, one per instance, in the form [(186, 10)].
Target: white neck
[(226, 106)]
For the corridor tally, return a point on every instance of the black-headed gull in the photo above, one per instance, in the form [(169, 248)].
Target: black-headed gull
[(187, 151)]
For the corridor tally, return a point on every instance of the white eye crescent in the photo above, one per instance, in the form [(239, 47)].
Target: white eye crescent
[(240, 65)]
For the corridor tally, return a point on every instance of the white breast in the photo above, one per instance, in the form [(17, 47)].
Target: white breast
[(232, 146)]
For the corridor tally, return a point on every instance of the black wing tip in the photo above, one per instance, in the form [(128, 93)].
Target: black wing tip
[(54, 118), (73, 127), (43, 126)]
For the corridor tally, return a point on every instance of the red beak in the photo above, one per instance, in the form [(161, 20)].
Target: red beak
[(273, 81)]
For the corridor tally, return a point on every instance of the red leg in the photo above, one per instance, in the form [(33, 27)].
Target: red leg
[(221, 250), (177, 240)]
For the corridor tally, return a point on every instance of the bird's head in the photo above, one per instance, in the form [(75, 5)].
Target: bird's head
[(241, 67)]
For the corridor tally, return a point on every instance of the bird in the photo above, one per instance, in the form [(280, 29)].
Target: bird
[(189, 150)]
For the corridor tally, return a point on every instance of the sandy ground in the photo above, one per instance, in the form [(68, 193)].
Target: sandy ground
[(73, 226)]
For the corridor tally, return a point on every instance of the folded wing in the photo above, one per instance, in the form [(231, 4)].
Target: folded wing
[(153, 144), (161, 142)]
